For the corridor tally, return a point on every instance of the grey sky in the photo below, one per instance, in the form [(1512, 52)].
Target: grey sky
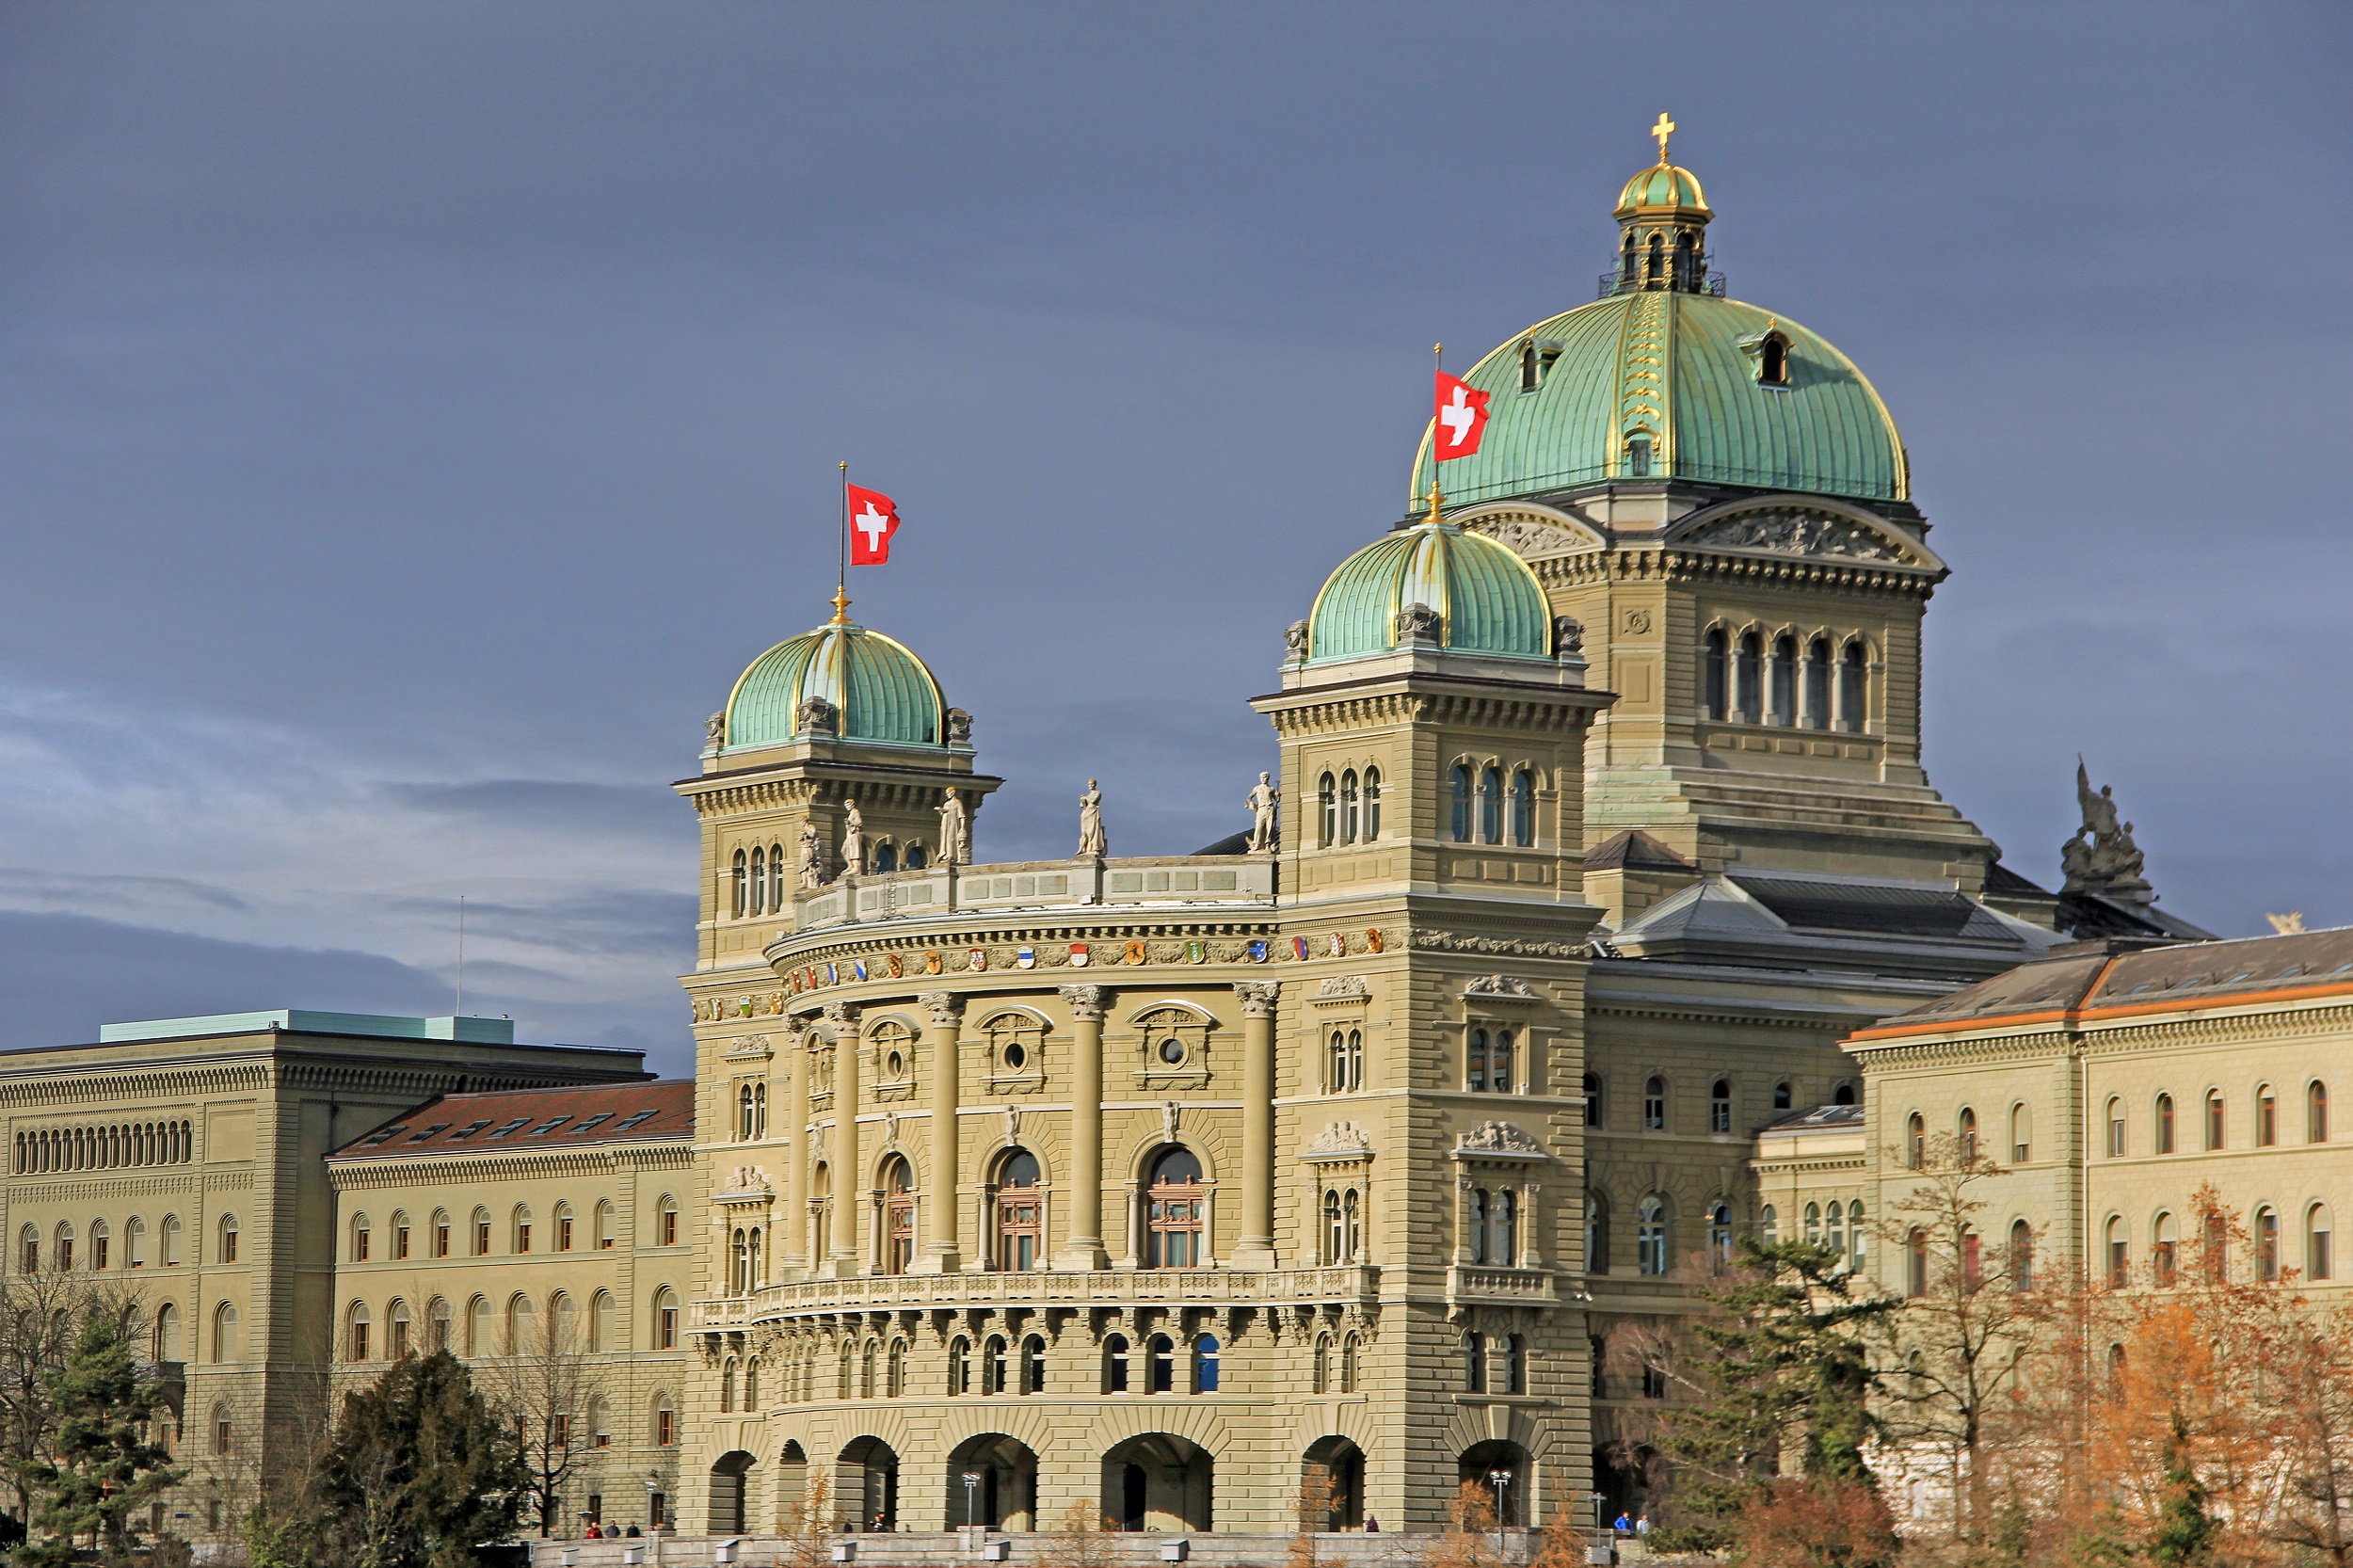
[(412, 418)]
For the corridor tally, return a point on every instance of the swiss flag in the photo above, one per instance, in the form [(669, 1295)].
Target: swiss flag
[(1461, 417), (873, 518)]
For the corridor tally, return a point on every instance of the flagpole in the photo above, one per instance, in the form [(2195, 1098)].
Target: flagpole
[(841, 571), (1437, 353)]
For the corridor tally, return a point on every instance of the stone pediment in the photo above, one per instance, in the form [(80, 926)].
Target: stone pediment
[(1500, 1138), (1805, 527), (1339, 1140), (1533, 533)]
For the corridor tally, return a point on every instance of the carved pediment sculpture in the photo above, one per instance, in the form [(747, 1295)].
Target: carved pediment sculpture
[(1335, 986), (1797, 534), (1530, 537), (1340, 1138), (1498, 1138), (1507, 987)]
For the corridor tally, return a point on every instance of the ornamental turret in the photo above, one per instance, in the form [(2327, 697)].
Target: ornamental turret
[(1663, 230)]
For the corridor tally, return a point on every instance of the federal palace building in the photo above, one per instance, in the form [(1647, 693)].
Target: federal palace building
[(1607, 913)]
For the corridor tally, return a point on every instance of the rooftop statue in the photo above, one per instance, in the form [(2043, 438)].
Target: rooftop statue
[(955, 830), (812, 857), (854, 843), (2101, 859), (1092, 845), (1262, 802)]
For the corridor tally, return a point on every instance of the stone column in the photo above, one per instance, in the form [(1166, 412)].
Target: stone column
[(849, 1190), (947, 1010), (797, 1259), (1253, 1241), (1084, 1247)]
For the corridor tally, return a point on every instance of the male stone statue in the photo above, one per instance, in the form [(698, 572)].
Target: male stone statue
[(853, 842), (1092, 844), (812, 857), (2101, 857), (955, 830), (1262, 802)]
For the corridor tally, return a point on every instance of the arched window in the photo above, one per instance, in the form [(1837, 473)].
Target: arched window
[(1205, 1365), (2021, 1134), (603, 1231), (665, 1221), (1834, 1228), (1858, 1237), (522, 1225), (1323, 1375), (2316, 1112), (1348, 1363), (1161, 1352), (1347, 1064), (1916, 1141), (1817, 684), (224, 1430), (2165, 1250), (396, 1325), (1638, 449), (2214, 1118), (28, 1250), (1784, 689), (1596, 1234), (522, 1326), (562, 1227), (959, 1367), (1968, 1135), (1115, 1363), (101, 1245), (1524, 808), (1515, 1364), (1528, 378), (898, 1215), (1751, 682), (665, 1319), (664, 1423), (1720, 1237), (61, 1248), (1769, 1223), (2119, 1255), (896, 1369), (1655, 1105), (437, 1327), (776, 878), (1335, 1237), (478, 1337), (1843, 1094), (845, 1382), (2266, 1116), (225, 1346), (482, 1233), (2318, 1260), (1474, 1363), (866, 1386), (1853, 667), (1503, 1230), (760, 881), (2267, 1243), (726, 1386), (1592, 1099), (1719, 1106), (2020, 1255), (1460, 822), (167, 1242), (1017, 1210), (1350, 807), (1476, 1239), (1352, 1221), (1032, 1379), (2116, 1128), (1176, 1210), (167, 1333), (1916, 1262), (1714, 675), (1373, 804), (2214, 1248), (1812, 1224), (739, 1262), (885, 859), (1650, 1239), (356, 1331), (2164, 1124), (1491, 805), (1783, 1096), (359, 1238), (400, 1236), (227, 1239), (1328, 800), (740, 903)]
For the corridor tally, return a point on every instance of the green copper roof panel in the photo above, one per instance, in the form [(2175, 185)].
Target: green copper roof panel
[(1487, 597), (881, 691)]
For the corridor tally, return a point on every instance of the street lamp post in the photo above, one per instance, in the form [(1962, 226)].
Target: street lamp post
[(971, 1480), (1502, 1480)]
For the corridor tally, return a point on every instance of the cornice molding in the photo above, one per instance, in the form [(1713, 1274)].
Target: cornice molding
[(362, 1171)]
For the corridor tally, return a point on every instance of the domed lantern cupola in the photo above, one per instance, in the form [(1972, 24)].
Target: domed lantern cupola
[(1663, 230)]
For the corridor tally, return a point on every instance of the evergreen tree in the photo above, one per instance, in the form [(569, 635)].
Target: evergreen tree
[(2184, 1536), (422, 1470), (1787, 1374), (105, 1471)]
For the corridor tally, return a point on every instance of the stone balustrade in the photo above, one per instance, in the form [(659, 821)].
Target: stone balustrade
[(1243, 880), (992, 1290)]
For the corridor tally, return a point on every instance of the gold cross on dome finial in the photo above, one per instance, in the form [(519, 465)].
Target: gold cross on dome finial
[(1660, 132)]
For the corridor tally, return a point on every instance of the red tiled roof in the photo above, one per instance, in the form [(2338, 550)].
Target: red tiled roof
[(533, 1119)]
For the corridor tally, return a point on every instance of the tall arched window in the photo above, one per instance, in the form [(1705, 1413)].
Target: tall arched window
[(1968, 1130), (1592, 1099), (665, 1319), (101, 1245), (959, 1367), (1162, 1352), (2164, 1124), (1328, 799), (1650, 1239), (1515, 1364), (523, 1327), (760, 881), (2319, 1262), (604, 1227), (2020, 1255), (1916, 1262), (396, 1325), (1719, 1106), (1474, 1363), (1784, 690), (1596, 1234), (1773, 360), (1638, 449), (1655, 1105), (1858, 1237), (896, 1369), (1373, 804), (1476, 1239), (1176, 1210), (1321, 1380), (1784, 1098), (1817, 684), (1916, 1141), (2116, 1128), (1017, 1210), (479, 1341), (225, 1346), (167, 1242), (2119, 1255), (167, 1333), (2165, 1250), (228, 1238), (726, 1386), (1715, 676), (1503, 1231), (1491, 805), (2316, 1112), (1834, 1227), (1752, 682), (1853, 667), (2021, 1134), (1205, 1365), (1720, 1235), (739, 903), (1524, 808), (776, 878), (1350, 807), (898, 1216), (1115, 1363), (359, 1238), (2266, 1116), (1460, 820), (436, 1326), (356, 1331), (2267, 1243), (2214, 1118), (522, 1228), (1334, 1237)]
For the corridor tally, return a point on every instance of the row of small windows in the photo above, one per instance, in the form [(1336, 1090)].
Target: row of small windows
[(518, 1329), (1495, 1366), (523, 1232), (1349, 809), (1719, 1101), (104, 1148), (758, 885), (2264, 1132), (67, 1251), (2214, 1256), (1825, 688), (1654, 1234), (989, 1367), (1484, 805), (751, 1112), (1840, 1227)]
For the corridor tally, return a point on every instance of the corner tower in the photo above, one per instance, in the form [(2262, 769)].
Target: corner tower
[(1720, 503)]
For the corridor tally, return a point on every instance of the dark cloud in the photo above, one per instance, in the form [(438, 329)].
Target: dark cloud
[(539, 803)]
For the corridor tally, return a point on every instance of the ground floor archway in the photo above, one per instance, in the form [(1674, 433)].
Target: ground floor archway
[(866, 1486), (1158, 1482), (729, 1486), (1501, 1469), (1332, 1486), (992, 1481)]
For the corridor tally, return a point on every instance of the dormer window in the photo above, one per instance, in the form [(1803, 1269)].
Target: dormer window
[(1773, 360), (1638, 455), (1530, 375)]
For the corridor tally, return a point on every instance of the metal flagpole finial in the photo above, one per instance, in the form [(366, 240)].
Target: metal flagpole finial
[(842, 604), (1660, 132)]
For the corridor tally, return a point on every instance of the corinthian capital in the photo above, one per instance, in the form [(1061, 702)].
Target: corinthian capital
[(1258, 996), (946, 1006), (1087, 1002), (842, 1015)]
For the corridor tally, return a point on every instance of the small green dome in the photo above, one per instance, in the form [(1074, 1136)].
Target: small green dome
[(879, 691), (1661, 188), (1486, 599)]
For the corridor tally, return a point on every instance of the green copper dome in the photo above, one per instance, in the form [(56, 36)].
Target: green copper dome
[(1663, 188), (879, 691), (1486, 599)]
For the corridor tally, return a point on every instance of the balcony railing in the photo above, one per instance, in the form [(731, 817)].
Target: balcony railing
[(938, 890), (1487, 1283), (1041, 1288), (1640, 279)]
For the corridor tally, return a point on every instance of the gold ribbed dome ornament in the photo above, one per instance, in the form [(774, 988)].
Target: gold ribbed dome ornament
[(1662, 215)]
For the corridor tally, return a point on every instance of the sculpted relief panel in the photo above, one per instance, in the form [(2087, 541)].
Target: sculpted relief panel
[(1796, 533), (1531, 536)]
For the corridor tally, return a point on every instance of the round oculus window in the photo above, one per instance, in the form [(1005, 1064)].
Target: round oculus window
[(1172, 1050), (897, 1064), (1016, 1055)]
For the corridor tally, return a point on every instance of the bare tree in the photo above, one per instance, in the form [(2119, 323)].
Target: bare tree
[(545, 1385), (42, 1311), (809, 1525)]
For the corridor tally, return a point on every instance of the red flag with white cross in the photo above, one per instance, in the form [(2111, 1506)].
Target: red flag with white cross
[(873, 518), (1460, 413)]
